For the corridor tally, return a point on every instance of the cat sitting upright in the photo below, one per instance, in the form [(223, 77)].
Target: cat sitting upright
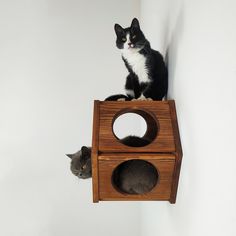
[(148, 76)]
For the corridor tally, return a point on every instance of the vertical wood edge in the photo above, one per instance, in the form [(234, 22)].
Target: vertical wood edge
[(175, 182), (178, 152), (95, 139), (175, 126)]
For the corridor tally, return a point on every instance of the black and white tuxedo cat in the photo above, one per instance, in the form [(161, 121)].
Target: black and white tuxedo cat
[(148, 77)]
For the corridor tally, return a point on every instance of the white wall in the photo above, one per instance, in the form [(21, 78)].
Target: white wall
[(202, 76), (56, 57)]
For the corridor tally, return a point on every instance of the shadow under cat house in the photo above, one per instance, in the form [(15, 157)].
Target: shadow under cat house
[(145, 168)]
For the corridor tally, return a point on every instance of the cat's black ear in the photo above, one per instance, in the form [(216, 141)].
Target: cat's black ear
[(118, 29), (135, 23), (70, 155)]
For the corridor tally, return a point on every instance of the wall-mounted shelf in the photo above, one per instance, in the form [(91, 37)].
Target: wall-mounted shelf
[(163, 152)]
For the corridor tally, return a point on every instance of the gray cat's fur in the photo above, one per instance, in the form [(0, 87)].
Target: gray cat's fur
[(81, 165), (135, 177)]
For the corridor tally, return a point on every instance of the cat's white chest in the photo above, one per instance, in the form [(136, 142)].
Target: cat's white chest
[(137, 62)]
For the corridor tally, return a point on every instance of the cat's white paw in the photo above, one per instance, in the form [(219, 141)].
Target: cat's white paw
[(142, 98), (134, 99), (149, 99)]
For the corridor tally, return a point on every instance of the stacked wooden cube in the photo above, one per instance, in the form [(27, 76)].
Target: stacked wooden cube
[(163, 152)]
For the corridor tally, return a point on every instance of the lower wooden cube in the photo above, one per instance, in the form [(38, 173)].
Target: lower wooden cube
[(164, 189)]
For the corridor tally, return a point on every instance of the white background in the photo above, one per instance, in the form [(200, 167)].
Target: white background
[(201, 40), (56, 57)]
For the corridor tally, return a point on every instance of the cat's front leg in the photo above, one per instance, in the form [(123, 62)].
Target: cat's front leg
[(132, 86), (144, 86), (129, 88), (147, 92)]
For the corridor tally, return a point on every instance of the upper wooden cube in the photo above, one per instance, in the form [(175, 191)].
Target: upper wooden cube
[(160, 116)]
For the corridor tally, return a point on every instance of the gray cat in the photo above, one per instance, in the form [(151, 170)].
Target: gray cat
[(135, 177), (131, 177), (81, 165), (81, 160)]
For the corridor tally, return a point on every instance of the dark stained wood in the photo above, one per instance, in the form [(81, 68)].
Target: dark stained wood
[(95, 151), (164, 152), (161, 191), (159, 111), (178, 151)]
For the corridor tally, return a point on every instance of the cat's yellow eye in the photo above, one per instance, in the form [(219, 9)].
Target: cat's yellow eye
[(134, 36), (123, 39)]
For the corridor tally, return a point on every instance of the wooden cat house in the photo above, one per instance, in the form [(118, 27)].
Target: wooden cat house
[(163, 152)]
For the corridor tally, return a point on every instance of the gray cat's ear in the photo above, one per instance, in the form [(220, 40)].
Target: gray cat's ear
[(135, 23), (85, 151), (70, 155), (118, 29)]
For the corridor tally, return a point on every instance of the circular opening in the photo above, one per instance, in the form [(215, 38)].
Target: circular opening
[(135, 128), (129, 123), (135, 177)]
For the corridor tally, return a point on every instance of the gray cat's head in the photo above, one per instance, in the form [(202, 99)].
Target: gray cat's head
[(81, 165)]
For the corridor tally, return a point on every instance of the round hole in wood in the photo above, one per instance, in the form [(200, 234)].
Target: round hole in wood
[(134, 127), (129, 123), (135, 177)]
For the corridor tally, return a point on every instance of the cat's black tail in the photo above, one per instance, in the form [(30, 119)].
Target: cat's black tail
[(118, 97)]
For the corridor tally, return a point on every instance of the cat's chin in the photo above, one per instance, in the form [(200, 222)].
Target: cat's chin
[(85, 177), (130, 50)]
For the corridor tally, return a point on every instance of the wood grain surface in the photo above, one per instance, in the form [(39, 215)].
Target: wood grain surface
[(164, 152)]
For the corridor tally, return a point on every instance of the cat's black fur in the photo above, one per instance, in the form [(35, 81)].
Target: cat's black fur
[(119, 97), (134, 141), (154, 84)]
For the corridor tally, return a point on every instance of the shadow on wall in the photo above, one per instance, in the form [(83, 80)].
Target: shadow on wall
[(174, 39)]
